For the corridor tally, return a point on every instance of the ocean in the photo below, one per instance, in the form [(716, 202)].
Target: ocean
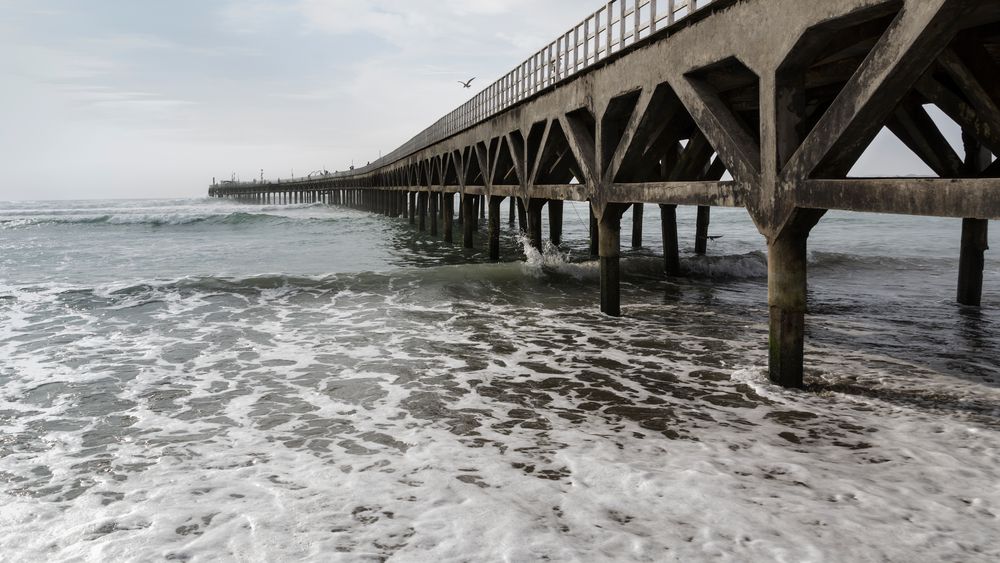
[(203, 380)]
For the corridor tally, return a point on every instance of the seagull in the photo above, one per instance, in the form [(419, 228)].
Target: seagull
[(467, 84)]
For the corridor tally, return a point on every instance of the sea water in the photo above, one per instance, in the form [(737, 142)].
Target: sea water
[(205, 380)]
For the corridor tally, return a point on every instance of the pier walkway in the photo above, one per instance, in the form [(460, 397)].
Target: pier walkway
[(761, 104)]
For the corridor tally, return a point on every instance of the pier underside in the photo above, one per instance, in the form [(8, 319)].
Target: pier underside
[(760, 104)]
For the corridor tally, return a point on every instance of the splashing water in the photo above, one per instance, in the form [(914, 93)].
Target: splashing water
[(322, 384)]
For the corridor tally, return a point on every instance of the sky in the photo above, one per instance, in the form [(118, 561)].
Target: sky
[(154, 98)]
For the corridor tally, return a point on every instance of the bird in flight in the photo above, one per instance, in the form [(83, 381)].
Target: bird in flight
[(467, 84)]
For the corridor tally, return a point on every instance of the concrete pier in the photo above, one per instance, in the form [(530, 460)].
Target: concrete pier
[(779, 97)]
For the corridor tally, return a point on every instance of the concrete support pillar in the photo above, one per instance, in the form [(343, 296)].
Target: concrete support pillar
[(535, 206), (701, 231), (449, 217), (975, 232), (786, 288), (786, 297), (433, 199), (494, 218), (595, 234), (513, 211), (671, 250), (413, 207), (637, 210), (482, 207), (972, 262), (422, 198), (469, 225), (522, 216), (556, 221), (609, 226)]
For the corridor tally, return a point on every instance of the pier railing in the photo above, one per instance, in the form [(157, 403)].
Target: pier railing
[(615, 27)]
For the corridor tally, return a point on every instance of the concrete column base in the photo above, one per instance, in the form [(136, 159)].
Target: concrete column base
[(786, 296), (449, 217), (595, 235), (494, 218), (433, 211), (469, 225), (671, 250), (535, 207), (422, 201), (701, 231), (556, 221), (609, 228), (637, 210), (975, 243)]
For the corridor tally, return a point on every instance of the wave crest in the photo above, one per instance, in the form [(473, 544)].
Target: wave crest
[(156, 219)]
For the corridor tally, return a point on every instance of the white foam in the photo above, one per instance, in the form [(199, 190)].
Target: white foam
[(399, 419)]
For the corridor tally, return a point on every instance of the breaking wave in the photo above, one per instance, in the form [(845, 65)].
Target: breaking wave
[(156, 219)]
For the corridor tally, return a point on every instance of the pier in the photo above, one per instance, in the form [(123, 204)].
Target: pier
[(760, 104)]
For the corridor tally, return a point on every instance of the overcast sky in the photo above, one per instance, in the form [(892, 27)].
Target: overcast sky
[(154, 98)]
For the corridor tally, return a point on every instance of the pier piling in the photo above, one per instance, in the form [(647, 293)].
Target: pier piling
[(609, 226), (469, 225), (701, 230), (555, 221), (494, 226), (449, 217), (433, 199), (637, 225), (671, 251)]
